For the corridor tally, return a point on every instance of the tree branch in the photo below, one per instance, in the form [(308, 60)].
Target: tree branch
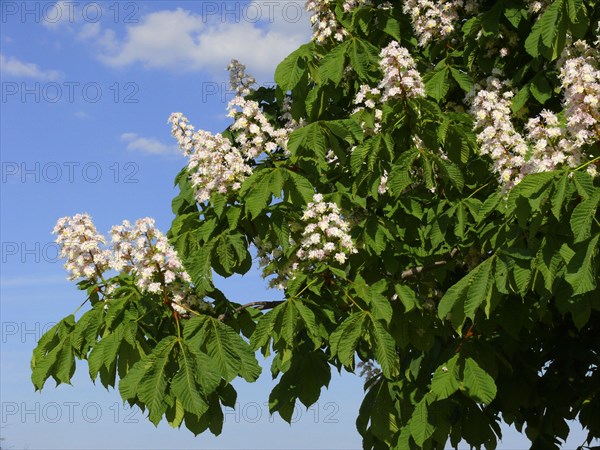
[(409, 273), (414, 271), (258, 305)]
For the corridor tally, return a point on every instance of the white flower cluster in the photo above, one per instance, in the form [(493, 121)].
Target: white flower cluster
[(144, 251), (383, 183), (239, 80), (546, 146), (271, 260), (400, 76), (498, 137), (537, 7), (80, 244), (256, 135), (140, 250), (580, 78), (400, 80), (324, 22), (551, 146), (436, 19), (325, 233), (216, 164), (369, 98)]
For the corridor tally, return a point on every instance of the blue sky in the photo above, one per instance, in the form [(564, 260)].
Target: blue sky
[(87, 88)]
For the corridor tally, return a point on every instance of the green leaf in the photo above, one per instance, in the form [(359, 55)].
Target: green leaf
[(573, 8), (363, 56), (581, 273), (480, 289), (333, 64), (533, 41), (298, 188), (420, 427), (437, 84), (310, 137), (559, 195), (153, 384), (479, 385), (520, 99), (583, 216), (230, 354), (344, 339), (184, 384), (291, 70), (463, 79), (540, 88), (256, 192), (445, 381), (407, 296), (399, 178), (385, 350), (548, 22)]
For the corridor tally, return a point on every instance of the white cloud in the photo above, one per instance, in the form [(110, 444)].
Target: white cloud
[(60, 13), (147, 145), (180, 40), (82, 115), (9, 65)]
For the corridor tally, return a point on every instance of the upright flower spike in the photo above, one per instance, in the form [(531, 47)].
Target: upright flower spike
[(325, 234), (239, 80), (497, 136), (433, 20), (325, 24), (144, 251), (220, 165), (80, 243), (580, 81), (400, 76)]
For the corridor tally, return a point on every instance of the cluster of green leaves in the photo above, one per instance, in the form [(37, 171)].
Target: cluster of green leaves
[(478, 307), (177, 370)]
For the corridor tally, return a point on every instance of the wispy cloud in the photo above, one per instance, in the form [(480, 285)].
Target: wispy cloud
[(12, 66), (27, 281), (147, 145)]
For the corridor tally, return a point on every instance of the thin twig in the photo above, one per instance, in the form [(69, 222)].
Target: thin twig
[(414, 271), (257, 305)]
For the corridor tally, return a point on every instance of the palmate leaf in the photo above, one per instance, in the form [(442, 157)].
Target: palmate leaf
[(363, 57), (53, 355), (308, 373), (332, 66), (311, 138), (480, 289), (378, 410), (291, 70), (230, 354), (297, 188)]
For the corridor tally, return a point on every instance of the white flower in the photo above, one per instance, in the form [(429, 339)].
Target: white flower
[(325, 232)]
